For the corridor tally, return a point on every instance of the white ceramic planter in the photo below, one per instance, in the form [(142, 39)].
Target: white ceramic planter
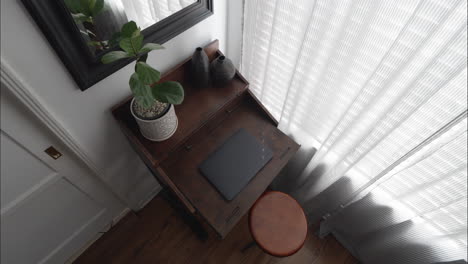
[(158, 129)]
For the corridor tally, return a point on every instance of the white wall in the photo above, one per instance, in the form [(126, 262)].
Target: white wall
[(234, 29), (86, 115)]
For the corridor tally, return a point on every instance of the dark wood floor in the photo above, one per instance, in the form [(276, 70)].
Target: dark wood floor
[(157, 234)]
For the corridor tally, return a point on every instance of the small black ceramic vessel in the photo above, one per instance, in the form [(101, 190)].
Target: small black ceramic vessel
[(200, 68), (222, 70)]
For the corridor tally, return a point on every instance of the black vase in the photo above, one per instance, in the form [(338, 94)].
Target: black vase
[(200, 68), (222, 70)]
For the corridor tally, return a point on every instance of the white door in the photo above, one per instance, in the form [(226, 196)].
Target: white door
[(50, 208)]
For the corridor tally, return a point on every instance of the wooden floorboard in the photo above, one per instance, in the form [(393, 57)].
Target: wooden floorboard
[(157, 234)]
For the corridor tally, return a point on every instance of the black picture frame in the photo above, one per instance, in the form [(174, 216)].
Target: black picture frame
[(59, 29)]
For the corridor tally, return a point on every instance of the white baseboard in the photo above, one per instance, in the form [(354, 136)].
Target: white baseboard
[(115, 220), (121, 215), (107, 227), (150, 197)]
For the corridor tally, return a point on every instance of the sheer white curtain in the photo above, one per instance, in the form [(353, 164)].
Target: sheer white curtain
[(372, 86)]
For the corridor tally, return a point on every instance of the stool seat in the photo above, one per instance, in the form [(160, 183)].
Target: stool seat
[(278, 224)]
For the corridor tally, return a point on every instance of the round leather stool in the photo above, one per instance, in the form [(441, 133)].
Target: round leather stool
[(278, 224)]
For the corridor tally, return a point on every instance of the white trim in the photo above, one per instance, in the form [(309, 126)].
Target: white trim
[(150, 197), (33, 103), (27, 96), (30, 194), (120, 216), (116, 219), (114, 222), (53, 254)]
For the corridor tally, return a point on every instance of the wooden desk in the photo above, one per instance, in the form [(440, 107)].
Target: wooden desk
[(207, 117)]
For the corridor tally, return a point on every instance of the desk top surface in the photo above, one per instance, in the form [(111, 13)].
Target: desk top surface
[(198, 107), (207, 117)]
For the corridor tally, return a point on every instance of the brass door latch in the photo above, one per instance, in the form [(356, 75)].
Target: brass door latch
[(53, 153)]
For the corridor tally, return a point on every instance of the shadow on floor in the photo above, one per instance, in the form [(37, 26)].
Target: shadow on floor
[(157, 234)]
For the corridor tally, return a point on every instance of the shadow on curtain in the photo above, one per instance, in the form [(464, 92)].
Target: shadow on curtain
[(375, 92), (374, 233)]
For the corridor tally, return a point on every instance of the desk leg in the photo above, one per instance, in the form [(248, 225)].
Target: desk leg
[(188, 218)]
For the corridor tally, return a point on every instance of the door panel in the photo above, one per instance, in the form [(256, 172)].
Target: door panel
[(50, 208), (20, 170), (32, 230)]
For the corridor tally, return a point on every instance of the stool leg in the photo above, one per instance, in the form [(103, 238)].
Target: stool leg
[(251, 244)]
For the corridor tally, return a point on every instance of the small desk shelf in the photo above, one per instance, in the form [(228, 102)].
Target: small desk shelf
[(207, 117)]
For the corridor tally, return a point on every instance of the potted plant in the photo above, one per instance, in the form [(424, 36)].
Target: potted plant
[(153, 102)]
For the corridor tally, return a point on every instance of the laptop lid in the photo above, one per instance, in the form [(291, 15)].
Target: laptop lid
[(230, 167)]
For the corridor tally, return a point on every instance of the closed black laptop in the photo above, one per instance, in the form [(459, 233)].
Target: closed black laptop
[(235, 163)]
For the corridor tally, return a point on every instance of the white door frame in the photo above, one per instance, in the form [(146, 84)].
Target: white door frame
[(32, 102)]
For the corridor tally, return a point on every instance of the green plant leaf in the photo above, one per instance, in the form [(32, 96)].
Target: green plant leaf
[(150, 46), (136, 33), (115, 39), (128, 29), (94, 43), (74, 6), (169, 92), (91, 4), (143, 93), (132, 45), (80, 18), (146, 73), (114, 56), (85, 4), (97, 7), (135, 84)]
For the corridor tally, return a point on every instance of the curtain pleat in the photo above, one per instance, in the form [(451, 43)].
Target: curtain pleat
[(375, 92)]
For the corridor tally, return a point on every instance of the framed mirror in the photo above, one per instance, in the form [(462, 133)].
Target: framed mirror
[(82, 31)]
